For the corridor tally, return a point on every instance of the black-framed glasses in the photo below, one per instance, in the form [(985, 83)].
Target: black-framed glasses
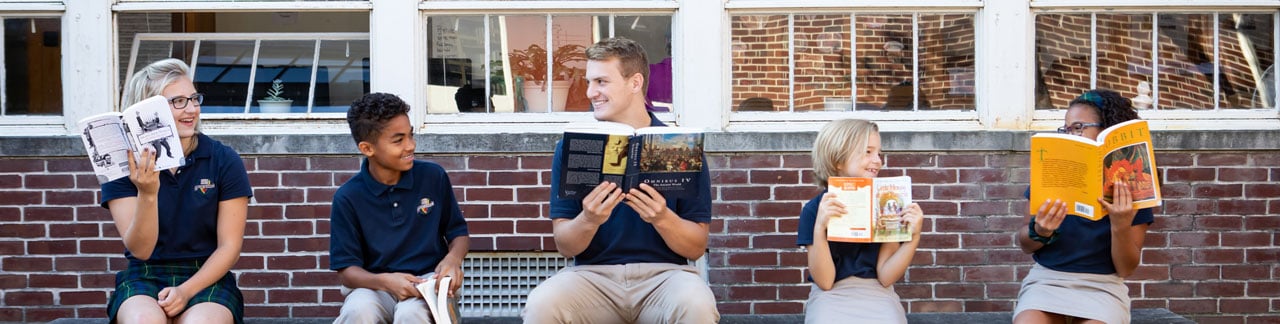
[(182, 102), (1077, 128)]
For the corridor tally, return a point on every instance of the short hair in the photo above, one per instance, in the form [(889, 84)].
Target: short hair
[(152, 79), (1110, 105), (630, 55), (369, 114), (837, 142)]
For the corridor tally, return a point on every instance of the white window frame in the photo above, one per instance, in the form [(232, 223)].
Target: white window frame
[(1211, 119), (34, 124), (751, 121), (538, 122)]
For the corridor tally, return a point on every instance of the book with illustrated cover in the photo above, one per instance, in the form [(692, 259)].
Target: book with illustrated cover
[(667, 158), (444, 310), (875, 207), (148, 124), (1079, 170)]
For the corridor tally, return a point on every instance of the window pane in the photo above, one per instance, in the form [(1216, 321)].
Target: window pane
[(347, 63), (456, 63), (570, 37), (224, 64), (288, 62), (654, 34), (32, 83), (222, 74), (1186, 61), (946, 61), (526, 53), (823, 63), (1062, 59), (761, 66), (885, 57), (1124, 57), (1245, 49)]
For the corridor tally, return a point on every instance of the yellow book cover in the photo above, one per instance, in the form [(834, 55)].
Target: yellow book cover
[(1079, 170), (874, 207)]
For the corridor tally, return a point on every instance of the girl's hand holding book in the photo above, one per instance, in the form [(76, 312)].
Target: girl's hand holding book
[(1122, 211), (143, 173), (829, 207)]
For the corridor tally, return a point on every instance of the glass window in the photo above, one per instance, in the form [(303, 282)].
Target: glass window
[(259, 62), (32, 53), (840, 62), (521, 74), (1199, 60)]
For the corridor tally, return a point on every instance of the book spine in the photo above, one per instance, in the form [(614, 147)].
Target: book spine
[(632, 179)]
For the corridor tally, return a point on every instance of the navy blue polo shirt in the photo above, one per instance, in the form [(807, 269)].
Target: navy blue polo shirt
[(187, 203), (625, 238), (850, 259), (1084, 246), (404, 228)]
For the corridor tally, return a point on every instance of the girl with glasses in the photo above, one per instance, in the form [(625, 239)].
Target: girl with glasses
[(1081, 264), (183, 227)]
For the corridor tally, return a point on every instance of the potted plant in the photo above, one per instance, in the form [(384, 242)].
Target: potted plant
[(273, 102), (530, 65)]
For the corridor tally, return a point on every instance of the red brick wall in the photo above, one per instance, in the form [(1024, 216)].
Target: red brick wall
[(1212, 253)]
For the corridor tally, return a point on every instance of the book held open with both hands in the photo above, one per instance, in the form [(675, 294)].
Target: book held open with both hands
[(148, 124), (666, 158), (874, 209), (443, 309), (1078, 170)]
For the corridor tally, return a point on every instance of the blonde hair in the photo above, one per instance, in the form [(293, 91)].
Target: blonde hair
[(151, 80), (837, 142)]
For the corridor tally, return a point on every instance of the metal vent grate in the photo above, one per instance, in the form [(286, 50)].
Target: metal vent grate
[(498, 283)]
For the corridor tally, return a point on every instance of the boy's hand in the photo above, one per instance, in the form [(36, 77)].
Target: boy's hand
[(599, 204), (173, 300), (450, 267), (649, 203), (400, 285), (1121, 212)]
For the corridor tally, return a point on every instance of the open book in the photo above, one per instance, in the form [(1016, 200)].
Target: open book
[(667, 158), (444, 310), (1079, 170), (147, 124), (874, 206)]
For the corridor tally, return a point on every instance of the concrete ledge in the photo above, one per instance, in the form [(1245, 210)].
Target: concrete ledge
[(717, 142), (1139, 316)]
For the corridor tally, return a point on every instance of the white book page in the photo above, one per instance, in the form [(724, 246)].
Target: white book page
[(151, 123), (437, 300), (105, 143)]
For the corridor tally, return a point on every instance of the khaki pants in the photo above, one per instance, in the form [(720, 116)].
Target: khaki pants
[(368, 306), (631, 293)]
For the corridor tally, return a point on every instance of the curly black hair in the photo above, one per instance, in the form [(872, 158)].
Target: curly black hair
[(1110, 105), (371, 112)]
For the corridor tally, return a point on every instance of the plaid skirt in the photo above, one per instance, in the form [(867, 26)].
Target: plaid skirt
[(149, 277)]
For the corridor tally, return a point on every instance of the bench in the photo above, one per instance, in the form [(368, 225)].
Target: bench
[(1139, 316)]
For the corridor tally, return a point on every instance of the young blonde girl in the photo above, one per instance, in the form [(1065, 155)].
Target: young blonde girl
[(851, 280)]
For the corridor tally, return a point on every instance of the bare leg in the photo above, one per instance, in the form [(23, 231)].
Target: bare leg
[(141, 309)]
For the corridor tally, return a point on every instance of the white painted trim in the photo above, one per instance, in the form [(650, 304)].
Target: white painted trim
[(846, 5), (1217, 69), (32, 6), (1005, 65), (550, 6), (1171, 4), (915, 62), (88, 61), (222, 6), (397, 51), (701, 70), (874, 115), (791, 62)]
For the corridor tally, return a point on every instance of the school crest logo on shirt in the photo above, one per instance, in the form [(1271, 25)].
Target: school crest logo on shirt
[(205, 185), (425, 206)]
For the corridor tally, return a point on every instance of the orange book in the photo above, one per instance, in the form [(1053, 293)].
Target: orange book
[(874, 209), (1079, 170)]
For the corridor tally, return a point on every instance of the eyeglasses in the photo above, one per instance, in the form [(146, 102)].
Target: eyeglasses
[(182, 102), (1077, 128)]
